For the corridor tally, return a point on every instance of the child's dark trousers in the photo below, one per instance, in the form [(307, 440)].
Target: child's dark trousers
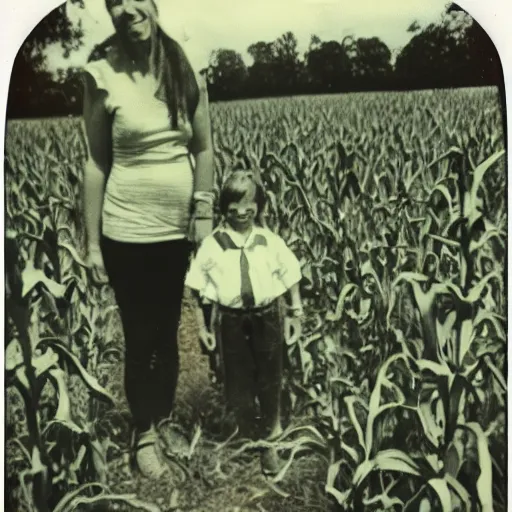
[(251, 346)]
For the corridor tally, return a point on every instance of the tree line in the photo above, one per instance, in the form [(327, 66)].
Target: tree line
[(455, 52)]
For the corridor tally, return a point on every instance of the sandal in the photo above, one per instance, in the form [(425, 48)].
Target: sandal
[(145, 458)]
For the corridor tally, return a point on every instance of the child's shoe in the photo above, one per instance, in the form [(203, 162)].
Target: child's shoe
[(270, 462)]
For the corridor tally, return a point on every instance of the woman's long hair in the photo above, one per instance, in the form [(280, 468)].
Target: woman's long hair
[(177, 84), (177, 81)]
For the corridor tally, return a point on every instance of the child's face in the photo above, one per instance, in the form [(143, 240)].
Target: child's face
[(240, 215)]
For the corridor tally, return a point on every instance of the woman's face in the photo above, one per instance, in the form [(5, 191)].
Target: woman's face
[(132, 18)]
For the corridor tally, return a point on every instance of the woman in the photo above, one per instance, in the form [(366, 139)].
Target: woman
[(145, 116)]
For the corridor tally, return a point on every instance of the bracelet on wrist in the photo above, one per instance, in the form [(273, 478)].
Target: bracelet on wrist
[(203, 210), (204, 197)]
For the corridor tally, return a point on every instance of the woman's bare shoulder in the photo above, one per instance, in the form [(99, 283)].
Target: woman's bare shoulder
[(107, 53), (103, 65)]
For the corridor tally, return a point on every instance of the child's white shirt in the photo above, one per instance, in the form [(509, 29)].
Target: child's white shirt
[(215, 271)]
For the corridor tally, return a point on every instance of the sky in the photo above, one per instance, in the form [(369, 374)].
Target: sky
[(202, 26)]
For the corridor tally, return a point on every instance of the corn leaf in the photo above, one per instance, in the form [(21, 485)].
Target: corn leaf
[(32, 277), (362, 472), (459, 490), (431, 421), (332, 475), (387, 502), (89, 380), (396, 460), (479, 173), (414, 503), (438, 369), (295, 450), (63, 414), (374, 407), (484, 481), (440, 486), (490, 317), (345, 292), (351, 451), (476, 245), (443, 190), (74, 253), (350, 401), (128, 499), (475, 291), (498, 375)]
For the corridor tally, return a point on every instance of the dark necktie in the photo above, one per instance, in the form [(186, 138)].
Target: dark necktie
[(246, 288), (225, 241)]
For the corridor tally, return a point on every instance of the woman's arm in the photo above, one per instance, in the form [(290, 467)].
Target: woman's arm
[(201, 146), (98, 131), (295, 299)]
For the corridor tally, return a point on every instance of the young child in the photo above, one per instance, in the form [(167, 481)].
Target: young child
[(244, 269)]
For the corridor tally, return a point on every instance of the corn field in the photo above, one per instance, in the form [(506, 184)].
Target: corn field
[(395, 206)]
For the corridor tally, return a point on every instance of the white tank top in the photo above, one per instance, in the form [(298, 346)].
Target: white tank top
[(150, 186)]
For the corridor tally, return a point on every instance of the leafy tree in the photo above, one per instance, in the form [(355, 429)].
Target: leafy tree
[(262, 73), (483, 65), (29, 78), (285, 48), (428, 59), (454, 52), (287, 64), (314, 43), (371, 65), (261, 52), (227, 74), (328, 66), (68, 89), (414, 27)]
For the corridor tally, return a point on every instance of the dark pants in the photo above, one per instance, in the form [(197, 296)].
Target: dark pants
[(148, 282), (251, 346)]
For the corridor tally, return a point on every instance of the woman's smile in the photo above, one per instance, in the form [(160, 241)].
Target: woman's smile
[(139, 26), (133, 18), (146, 206)]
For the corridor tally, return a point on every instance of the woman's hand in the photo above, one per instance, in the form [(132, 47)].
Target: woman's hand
[(94, 261)]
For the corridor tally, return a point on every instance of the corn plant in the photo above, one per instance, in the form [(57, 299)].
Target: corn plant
[(440, 379), (394, 205), (370, 206), (54, 324)]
